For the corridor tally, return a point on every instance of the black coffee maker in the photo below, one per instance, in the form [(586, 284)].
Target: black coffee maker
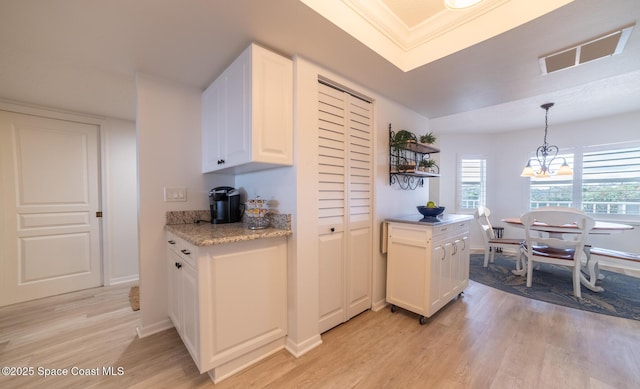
[(224, 202)]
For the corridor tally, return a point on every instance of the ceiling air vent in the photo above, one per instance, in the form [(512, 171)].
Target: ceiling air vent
[(601, 47)]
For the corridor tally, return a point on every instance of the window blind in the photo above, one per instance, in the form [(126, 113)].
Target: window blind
[(611, 181), (472, 186)]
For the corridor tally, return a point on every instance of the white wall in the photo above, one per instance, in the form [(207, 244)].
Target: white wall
[(169, 154), (391, 201), (507, 153), (120, 201)]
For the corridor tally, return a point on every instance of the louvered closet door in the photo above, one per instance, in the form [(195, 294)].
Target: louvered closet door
[(344, 205), (359, 205)]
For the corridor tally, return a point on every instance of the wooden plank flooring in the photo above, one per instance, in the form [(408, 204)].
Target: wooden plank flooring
[(486, 339)]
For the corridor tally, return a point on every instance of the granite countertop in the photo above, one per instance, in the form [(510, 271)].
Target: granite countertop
[(448, 218), (195, 228), (207, 234)]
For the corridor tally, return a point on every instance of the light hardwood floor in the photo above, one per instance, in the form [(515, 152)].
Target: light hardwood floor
[(486, 339)]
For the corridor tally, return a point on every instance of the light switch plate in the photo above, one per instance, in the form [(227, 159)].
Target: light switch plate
[(175, 194)]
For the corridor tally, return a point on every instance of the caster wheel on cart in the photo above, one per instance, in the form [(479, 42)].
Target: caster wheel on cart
[(393, 308), (423, 320)]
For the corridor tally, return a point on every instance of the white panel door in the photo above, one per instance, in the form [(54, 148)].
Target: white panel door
[(50, 241)]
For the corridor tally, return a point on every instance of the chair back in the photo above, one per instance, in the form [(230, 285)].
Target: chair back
[(482, 217), (557, 216)]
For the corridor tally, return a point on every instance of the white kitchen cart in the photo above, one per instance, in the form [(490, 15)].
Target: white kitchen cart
[(427, 262)]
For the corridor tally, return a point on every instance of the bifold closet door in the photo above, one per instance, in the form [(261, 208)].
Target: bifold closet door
[(345, 198)]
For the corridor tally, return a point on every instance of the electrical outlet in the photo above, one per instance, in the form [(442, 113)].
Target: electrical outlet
[(175, 194)]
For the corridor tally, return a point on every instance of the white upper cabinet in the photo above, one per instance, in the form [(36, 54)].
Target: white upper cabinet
[(248, 114)]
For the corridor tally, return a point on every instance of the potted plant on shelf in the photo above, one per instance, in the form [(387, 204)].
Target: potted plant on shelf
[(398, 143), (428, 138), (428, 166), (402, 138)]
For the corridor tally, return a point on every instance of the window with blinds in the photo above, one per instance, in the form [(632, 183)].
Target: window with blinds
[(606, 181), (472, 183), (611, 181)]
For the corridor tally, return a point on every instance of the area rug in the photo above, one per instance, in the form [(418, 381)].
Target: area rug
[(553, 284), (134, 298)]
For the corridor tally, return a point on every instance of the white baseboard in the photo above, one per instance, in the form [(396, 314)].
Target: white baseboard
[(379, 305), (299, 349), (154, 328), (123, 280), (234, 366)]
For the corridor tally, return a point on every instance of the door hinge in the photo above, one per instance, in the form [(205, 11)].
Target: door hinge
[(99, 214)]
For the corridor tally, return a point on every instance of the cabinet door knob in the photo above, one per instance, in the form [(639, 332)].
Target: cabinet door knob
[(171, 241), (185, 252), (178, 265), (220, 161), (332, 229)]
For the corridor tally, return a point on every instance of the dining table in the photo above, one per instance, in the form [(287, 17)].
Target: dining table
[(591, 275)]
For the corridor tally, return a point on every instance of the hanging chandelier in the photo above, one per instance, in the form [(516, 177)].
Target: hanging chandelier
[(545, 156)]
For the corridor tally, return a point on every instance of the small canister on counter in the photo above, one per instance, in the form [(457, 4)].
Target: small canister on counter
[(256, 211)]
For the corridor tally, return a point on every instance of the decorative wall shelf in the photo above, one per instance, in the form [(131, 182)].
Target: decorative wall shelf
[(409, 160)]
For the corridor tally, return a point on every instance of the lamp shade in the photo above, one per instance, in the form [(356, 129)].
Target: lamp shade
[(528, 171), (565, 170)]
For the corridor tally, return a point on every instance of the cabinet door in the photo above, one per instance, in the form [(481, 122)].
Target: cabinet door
[(408, 270), (174, 287), (212, 129), (226, 117), (236, 122), (190, 309), (460, 275), (271, 107), (437, 285), (446, 273)]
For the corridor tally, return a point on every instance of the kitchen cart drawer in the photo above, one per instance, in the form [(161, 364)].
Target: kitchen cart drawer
[(450, 229)]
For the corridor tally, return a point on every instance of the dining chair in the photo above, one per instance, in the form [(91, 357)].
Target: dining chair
[(491, 242), (558, 249)]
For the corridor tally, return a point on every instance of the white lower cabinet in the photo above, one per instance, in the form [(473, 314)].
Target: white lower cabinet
[(228, 302), (427, 266)]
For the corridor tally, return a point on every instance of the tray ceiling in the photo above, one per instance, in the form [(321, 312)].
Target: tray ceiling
[(412, 33)]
